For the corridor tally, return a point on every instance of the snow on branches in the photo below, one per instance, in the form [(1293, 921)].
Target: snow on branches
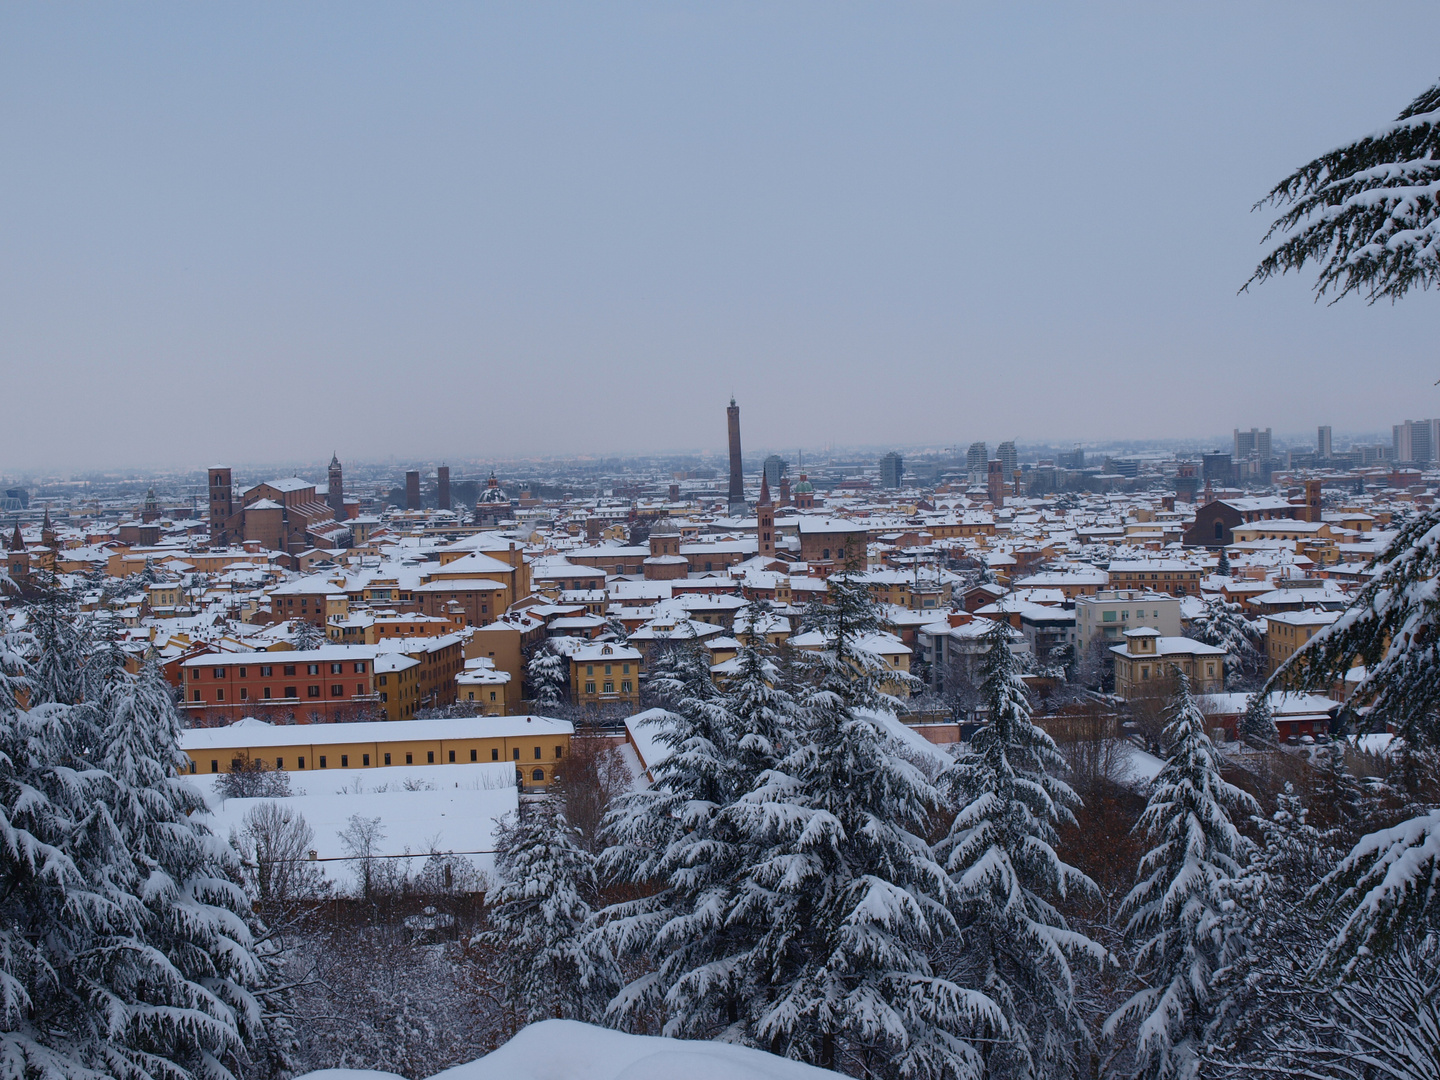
[(1367, 214)]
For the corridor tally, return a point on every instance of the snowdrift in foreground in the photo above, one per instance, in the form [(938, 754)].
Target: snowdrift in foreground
[(568, 1050)]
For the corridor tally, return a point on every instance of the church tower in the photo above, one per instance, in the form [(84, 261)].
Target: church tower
[(335, 498), (765, 520), (222, 503)]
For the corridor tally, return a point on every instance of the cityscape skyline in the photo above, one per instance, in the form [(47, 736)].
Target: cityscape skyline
[(840, 220)]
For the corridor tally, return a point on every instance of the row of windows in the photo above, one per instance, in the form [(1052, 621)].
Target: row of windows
[(1109, 616), (409, 759), (336, 690), (268, 670), (625, 688), (624, 669)]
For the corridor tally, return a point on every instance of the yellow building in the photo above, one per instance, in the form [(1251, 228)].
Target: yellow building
[(605, 674), (536, 745), (1149, 658), (1286, 631)]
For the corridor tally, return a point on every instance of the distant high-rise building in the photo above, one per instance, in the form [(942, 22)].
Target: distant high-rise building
[(1255, 441), (775, 467), (892, 470), (1217, 468), (442, 487), (412, 490), (1416, 440), (976, 457), (1006, 453), (1323, 448), (1071, 459), (737, 472)]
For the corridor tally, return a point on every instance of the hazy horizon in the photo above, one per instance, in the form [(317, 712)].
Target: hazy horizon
[(266, 232)]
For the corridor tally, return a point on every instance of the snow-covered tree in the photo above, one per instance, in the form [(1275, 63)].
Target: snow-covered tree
[(763, 710), (848, 894), (1225, 626), (669, 838), (126, 947), (1014, 945), (1365, 214), (60, 648), (1269, 982), (306, 635), (550, 967), (1383, 1023), (1222, 565), (1173, 913), (187, 997), (1258, 720), (1384, 890), (548, 674)]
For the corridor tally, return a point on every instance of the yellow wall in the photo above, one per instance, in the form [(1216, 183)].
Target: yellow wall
[(352, 755)]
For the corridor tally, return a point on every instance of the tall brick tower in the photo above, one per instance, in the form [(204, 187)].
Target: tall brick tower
[(222, 503), (737, 474), (995, 488), (442, 487), (765, 520), (335, 494), (412, 490)]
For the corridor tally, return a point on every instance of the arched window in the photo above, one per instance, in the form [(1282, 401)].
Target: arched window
[(1219, 530), (538, 776)]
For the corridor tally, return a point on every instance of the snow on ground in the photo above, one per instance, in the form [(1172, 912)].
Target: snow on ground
[(908, 737), (1142, 768), (569, 1050), (451, 809)]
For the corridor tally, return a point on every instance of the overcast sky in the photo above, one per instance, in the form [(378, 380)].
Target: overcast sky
[(263, 232)]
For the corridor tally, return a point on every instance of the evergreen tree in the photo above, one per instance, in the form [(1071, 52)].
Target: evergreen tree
[(59, 648), (1222, 567), (306, 636), (1174, 912), (1258, 720), (762, 708), (669, 838), (1225, 626), (126, 947), (848, 895), (1262, 991), (548, 674), (1366, 215), (189, 996), (1015, 946), (549, 967)]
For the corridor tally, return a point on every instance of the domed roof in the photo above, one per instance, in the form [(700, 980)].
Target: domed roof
[(804, 487), (493, 492)]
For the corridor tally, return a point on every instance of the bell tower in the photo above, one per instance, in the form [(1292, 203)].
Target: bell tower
[(765, 520), (335, 494), (222, 503)]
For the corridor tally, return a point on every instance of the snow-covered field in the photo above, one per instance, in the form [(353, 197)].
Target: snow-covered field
[(422, 809), (568, 1050)]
